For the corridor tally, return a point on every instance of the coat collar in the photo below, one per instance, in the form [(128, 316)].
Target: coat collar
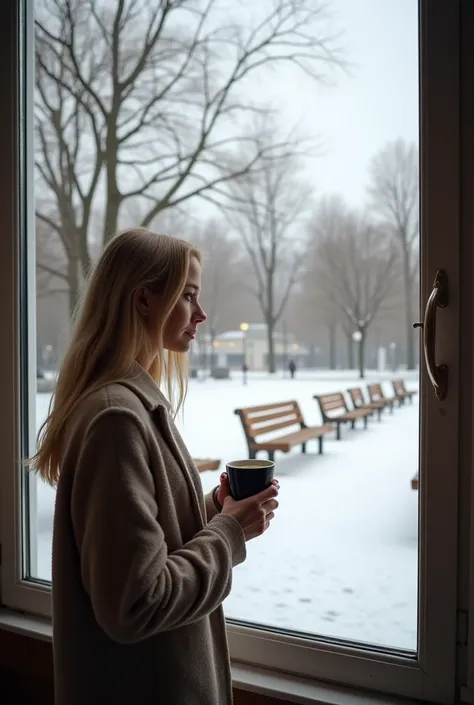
[(145, 387)]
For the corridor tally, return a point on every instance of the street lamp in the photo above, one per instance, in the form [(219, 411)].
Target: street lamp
[(48, 355), (244, 328), (357, 338)]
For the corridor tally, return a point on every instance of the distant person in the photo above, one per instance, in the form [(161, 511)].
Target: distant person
[(292, 368), (142, 561)]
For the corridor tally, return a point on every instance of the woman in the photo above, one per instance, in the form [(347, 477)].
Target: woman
[(141, 560)]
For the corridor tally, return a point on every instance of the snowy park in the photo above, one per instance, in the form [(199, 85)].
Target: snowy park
[(340, 558)]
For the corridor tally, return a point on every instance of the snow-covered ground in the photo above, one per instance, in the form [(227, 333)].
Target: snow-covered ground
[(340, 558)]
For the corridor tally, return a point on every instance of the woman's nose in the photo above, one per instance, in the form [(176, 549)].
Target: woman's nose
[(200, 315)]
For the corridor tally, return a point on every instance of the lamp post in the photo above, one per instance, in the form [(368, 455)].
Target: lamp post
[(244, 328), (357, 337)]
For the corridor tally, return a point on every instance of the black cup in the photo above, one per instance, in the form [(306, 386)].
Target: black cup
[(249, 477)]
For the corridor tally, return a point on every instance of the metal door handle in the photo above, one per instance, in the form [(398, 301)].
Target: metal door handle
[(438, 374)]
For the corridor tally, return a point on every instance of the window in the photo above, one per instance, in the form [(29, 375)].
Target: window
[(357, 581)]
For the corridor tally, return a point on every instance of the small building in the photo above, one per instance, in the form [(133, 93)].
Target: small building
[(233, 347)]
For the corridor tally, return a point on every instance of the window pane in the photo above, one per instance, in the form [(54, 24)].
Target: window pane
[(298, 178)]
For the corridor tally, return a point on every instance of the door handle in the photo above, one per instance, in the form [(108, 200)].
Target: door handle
[(439, 297)]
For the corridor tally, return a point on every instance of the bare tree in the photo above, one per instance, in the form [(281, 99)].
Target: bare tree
[(51, 265), (314, 319), (271, 205), (223, 275), (149, 99), (354, 266), (393, 190)]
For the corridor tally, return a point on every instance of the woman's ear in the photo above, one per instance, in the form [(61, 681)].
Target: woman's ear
[(141, 298)]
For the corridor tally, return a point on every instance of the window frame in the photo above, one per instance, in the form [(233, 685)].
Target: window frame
[(432, 675), (17, 205)]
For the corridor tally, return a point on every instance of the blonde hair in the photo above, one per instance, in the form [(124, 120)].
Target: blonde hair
[(109, 332)]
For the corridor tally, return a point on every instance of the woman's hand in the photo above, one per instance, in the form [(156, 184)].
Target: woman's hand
[(254, 514)]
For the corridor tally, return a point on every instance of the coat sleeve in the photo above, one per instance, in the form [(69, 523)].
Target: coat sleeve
[(211, 507), (136, 587)]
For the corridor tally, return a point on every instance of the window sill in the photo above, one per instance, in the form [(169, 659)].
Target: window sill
[(279, 686)]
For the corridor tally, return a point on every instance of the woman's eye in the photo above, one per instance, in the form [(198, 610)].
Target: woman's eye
[(189, 296)]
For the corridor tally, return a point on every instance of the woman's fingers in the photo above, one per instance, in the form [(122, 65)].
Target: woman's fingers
[(270, 505)]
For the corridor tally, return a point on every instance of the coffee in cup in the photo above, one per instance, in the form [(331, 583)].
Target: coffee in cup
[(249, 477)]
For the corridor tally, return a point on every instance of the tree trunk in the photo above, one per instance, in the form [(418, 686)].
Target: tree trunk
[(270, 321), (213, 362), (350, 352), (285, 349), (332, 346), (409, 332), (74, 285), (84, 251), (111, 214), (271, 347), (361, 351), (312, 359), (113, 195)]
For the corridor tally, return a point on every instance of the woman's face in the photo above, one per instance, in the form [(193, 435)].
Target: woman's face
[(187, 314)]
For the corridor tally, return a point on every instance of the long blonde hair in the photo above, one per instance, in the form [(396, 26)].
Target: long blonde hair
[(109, 332)]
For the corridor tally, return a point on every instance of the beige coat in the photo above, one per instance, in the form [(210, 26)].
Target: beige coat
[(141, 560)]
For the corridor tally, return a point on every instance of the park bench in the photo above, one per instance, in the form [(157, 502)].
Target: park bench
[(376, 393), (401, 392), (358, 401), (203, 464), (269, 418), (334, 410)]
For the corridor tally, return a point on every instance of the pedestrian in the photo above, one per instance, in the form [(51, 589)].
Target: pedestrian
[(292, 368), (142, 561)]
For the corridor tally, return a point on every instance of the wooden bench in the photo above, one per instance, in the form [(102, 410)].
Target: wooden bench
[(376, 393), (203, 464), (414, 482), (269, 418), (401, 392), (358, 401), (334, 410)]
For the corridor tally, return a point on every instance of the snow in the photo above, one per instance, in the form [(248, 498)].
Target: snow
[(341, 557)]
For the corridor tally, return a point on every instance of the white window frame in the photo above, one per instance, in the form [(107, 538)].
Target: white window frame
[(431, 675)]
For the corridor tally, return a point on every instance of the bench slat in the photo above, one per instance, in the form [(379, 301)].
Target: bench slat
[(350, 415), (285, 443), (282, 405), (333, 405), (203, 464), (332, 402), (271, 427), (252, 419)]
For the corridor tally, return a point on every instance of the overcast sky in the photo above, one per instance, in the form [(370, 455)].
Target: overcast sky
[(377, 102)]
